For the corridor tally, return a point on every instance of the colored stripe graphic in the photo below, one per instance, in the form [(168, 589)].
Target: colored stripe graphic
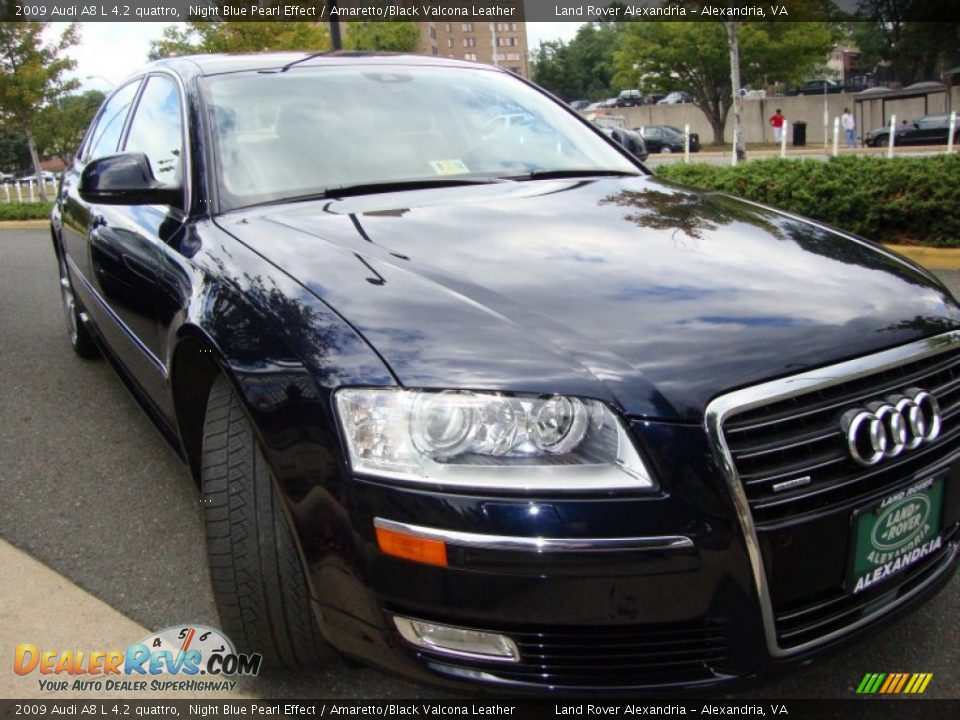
[(894, 683)]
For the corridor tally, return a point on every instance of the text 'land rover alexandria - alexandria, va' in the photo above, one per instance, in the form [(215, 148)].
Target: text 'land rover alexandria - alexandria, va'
[(471, 395)]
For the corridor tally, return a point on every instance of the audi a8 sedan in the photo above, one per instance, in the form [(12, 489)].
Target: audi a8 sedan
[(487, 403)]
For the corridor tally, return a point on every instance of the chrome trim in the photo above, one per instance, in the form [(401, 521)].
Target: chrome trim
[(739, 401), (538, 544), (404, 626)]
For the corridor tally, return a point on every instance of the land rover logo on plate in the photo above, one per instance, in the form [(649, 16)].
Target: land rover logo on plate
[(899, 523), (883, 430), (896, 533)]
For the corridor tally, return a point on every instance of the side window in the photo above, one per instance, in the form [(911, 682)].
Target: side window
[(106, 134), (157, 130)]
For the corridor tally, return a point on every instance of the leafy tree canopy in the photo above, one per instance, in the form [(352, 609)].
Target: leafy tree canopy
[(582, 69), (234, 36), (60, 126), (32, 77), (383, 36)]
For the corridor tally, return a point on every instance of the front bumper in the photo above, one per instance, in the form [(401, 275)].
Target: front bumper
[(725, 573), (667, 601)]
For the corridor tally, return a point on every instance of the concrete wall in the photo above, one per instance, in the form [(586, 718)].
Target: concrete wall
[(809, 108)]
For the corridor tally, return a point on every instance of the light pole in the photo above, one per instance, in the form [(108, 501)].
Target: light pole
[(101, 77)]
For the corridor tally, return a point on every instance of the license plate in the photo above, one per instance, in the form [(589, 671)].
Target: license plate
[(892, 535)]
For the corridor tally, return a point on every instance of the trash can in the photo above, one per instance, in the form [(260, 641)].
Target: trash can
[(799, 133)]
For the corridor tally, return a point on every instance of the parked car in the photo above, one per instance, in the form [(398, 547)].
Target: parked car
[(580, 104), (515, 415), (594, 106), (666, 139), (926, 130), (631, 140), (629, 98), (7, 179), (816, 87), (48, 177), (675, 98), (609, 103)]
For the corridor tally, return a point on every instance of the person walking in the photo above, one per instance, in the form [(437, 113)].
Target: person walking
[(776, 120), (849, 128)]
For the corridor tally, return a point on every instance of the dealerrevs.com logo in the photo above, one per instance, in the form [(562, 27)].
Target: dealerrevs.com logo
[(187, 651)]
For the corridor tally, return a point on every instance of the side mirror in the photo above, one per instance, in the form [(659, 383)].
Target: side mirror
[(125, 179)]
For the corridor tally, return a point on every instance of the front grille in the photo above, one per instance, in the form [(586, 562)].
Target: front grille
[(801, 436), (608, 656), (796, 434)]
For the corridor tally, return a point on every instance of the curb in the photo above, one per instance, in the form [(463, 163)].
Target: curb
[(24, 224), (933, 258)]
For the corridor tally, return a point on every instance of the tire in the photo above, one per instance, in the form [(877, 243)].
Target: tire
[(882, 141), (80, 338), (257, 574), (666, 149)]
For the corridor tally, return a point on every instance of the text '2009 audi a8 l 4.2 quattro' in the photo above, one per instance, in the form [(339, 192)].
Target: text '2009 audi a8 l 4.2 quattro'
[(472, 396)]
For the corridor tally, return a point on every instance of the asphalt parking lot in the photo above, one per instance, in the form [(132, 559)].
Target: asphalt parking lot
[(91, 490)]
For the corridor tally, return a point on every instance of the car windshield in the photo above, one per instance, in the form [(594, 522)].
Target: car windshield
[(312, 131)]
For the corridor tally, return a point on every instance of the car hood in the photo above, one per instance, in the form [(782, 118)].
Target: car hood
[(632, 290)]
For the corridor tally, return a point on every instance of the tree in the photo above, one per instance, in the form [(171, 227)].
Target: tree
[(906, 51), (582, 69), (14, 150), (235, 36), (694, 57), (31, 78), (384, 36), (60, 125)]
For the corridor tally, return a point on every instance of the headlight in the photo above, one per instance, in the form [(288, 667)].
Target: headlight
[(489, 440)]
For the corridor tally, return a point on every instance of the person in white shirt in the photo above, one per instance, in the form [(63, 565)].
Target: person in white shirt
[(849, 128)]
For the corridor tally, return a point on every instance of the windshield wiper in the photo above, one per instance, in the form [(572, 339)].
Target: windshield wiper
[(334, 193), (570, 173)]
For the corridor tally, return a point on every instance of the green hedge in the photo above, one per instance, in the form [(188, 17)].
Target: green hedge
[(901, 200), (25, 211)]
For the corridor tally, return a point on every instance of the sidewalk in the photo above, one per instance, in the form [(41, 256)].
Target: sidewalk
[(39, 606)]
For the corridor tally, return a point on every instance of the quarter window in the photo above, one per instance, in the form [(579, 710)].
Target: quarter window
[(157, 129), (106, 134)]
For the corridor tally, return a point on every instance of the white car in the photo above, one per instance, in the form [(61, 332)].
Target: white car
[(48, 177)]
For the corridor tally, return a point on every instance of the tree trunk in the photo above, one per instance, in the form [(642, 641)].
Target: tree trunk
[(733, 40), (35, 158)]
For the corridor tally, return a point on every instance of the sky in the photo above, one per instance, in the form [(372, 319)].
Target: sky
[(108, 52)]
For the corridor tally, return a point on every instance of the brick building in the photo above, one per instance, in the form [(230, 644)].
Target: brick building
[(497, 43)]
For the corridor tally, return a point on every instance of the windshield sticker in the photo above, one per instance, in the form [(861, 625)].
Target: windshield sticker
[(449, 167)]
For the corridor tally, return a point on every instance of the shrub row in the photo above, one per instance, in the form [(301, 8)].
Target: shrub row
[(914, 200), (25, 211)]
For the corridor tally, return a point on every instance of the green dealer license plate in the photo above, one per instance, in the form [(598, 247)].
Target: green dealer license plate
[(895, 534)]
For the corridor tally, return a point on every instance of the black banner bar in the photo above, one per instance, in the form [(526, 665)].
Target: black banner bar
[(473, 10), (865, 709)]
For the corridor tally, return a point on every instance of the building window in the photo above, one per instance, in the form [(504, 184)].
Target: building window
[(506, 27), (470, 56), (512, 56), (433, 49), (514, 70), (449, 42), (506, 41), (433, 32), (448, 27), (466, 27), (470, 42)]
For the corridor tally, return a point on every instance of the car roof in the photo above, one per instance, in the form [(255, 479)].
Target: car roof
[(220, 63)]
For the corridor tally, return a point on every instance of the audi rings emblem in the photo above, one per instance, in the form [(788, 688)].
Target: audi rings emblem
[(885, 429)]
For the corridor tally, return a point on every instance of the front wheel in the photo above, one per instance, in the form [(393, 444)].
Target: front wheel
[(259, 582), (80, 339), (666, 149)]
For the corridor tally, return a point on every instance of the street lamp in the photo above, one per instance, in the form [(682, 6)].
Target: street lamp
[(101, 77)]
